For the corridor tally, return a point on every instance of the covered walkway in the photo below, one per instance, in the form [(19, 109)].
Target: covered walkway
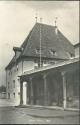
[(55, 85)]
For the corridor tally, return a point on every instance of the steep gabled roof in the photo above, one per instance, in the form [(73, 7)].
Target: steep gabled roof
[(49, 41)]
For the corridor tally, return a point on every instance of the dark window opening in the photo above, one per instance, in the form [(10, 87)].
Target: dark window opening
[(8, 85), (10, 73), (8, 95), (52, 52), (13, 83), (71, 55), (37, 51), (14, 94), (18, 93), (17, 67)]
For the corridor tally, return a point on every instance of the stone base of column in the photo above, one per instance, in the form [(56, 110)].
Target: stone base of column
[(64, 104)]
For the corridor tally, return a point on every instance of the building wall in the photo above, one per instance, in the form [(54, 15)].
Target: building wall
[(12, 79), (77, 51), (13, 82)]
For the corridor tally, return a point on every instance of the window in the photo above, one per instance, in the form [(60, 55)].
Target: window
[(14, 94), (18, 80), (70, 54), (37, 51), (8, 95), (52, 62), (18, 93), (10, 72), (52, 52), (8, 85), (17, 67), (45, 61), (13, 83), (15, 70)]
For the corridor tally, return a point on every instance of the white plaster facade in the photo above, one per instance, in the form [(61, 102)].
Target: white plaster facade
[(13, 81), (77, 51)]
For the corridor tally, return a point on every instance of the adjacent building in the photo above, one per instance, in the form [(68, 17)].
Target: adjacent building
[(45, 46), (77, 47)]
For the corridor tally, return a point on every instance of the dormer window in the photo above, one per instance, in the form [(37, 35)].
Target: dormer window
[(52, 52), (37, 50), (70, 55)]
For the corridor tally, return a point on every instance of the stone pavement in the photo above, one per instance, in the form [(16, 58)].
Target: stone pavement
[(53, 112), (6, 102), (36, 114), (53, 116)]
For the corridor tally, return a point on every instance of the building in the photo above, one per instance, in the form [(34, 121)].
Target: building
[(77, 47), (2, 95), (44, 46), (54, 85)]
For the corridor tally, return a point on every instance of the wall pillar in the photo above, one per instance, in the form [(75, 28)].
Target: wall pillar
[(45, 90), (64, 89), (26, 93), (31, 94), (21, 92)]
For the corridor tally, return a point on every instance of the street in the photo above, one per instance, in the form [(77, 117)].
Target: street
[(9, 115)]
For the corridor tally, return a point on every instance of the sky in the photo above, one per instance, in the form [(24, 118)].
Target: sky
[(18, 17)]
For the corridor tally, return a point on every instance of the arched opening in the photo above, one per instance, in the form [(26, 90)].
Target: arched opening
[(38, 90), (55, 89), (73, 89)]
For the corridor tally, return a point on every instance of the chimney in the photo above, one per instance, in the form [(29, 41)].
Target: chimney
[(40, 19), (36, 17), (56, 28)]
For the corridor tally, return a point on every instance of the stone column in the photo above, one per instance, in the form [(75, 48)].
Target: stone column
[(26, 93), (21, 92), (64, 89), (45, 90), (31, 86)]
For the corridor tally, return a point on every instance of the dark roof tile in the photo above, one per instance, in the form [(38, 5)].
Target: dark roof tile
[(49, 40)]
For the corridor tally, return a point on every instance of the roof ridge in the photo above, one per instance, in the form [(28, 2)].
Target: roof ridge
[(46, 24), (48, 37)]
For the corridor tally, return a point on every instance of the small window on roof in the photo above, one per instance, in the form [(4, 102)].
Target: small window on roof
[(70, 54), (52, 52), (37, 50)]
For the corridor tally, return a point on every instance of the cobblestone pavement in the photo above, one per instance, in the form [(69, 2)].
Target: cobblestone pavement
[(15, 115), (9, 115), (6, 102)]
